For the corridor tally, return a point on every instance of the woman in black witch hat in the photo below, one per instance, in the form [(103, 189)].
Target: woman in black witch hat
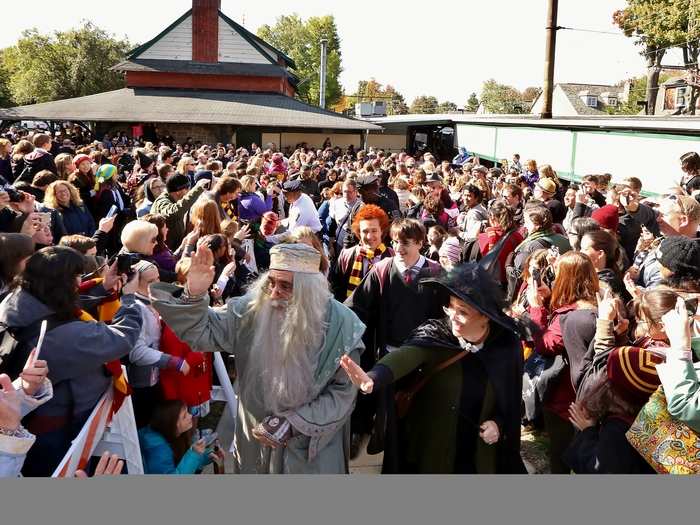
[(465, 416)]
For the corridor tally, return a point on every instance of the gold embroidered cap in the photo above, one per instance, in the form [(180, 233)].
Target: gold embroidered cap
[(297, 258)]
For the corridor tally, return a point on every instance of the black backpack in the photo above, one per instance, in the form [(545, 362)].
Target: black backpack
[(471, 251)]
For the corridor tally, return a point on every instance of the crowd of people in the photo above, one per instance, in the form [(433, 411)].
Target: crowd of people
[(425, 308)]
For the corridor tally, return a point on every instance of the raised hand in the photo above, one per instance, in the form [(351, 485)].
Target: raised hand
[(677, 326), (607, 306), (358, 376), (201, 273), (33, 375)]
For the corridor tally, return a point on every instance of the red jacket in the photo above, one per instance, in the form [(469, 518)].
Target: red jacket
[(490, 237), (194, 388), (550, 342)]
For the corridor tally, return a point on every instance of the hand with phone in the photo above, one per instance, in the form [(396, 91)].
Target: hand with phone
[(34, 373), (537, 291)]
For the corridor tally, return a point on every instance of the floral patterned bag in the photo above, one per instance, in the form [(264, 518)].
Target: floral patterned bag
[(668, 445)]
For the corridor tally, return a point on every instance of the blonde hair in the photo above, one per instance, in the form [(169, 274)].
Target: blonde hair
[(248, 183), (306, 235), (137, 234), (50, 195)]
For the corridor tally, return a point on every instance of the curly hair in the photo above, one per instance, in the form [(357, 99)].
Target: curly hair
[(370, 212)]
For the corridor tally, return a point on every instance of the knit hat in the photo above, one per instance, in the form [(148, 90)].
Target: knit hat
[(607, 217), (547, 185), (79, 159), (681, 256), (105, 172), (632, 373), (177, 182), (451, 250), (203, 174)]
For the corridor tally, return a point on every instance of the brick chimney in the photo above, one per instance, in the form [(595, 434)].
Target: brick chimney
[(205, 30)]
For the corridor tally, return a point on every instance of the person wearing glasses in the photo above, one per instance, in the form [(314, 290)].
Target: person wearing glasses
[(288, 335), (465, 418), (679, 215)]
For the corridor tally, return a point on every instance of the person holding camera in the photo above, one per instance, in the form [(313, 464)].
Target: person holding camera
[(566, 329), (75, 350)]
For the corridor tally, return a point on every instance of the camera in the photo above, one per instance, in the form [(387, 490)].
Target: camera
[(15, 196), (124, 263)]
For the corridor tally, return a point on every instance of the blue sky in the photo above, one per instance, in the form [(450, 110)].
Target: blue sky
[(441, 48)]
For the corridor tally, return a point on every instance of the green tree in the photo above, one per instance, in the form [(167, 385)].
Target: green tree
[(499, 98), (447, 107), (424, 104), (372, 91), (472, 103), (656, 25), (5, 94), (74, 63), (301, 41)]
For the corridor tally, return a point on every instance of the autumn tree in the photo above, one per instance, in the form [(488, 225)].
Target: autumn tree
[(74, 63), (300, 40), (424, 104), (656, 26)]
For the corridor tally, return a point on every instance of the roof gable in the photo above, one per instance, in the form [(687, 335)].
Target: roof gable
[(173, 43), (236, 44)]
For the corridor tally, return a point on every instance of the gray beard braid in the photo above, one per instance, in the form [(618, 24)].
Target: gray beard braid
[(281, 366)]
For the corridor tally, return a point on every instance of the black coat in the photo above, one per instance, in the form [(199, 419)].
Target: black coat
[(501, 359)]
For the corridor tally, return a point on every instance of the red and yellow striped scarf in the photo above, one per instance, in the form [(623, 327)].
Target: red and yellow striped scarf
[(106, 312), (356, 273)]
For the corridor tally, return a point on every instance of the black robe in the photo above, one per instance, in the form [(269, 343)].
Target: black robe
[(501, 359)]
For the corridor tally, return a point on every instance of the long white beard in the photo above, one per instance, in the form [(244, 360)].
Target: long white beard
[(281, 366)]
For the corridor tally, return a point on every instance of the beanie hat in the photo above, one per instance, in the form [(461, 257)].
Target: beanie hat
[(177, 183), (451, 249), (203, 174), (79, 159), (105, 173), (607, 217), (632, 373), (681, 256)]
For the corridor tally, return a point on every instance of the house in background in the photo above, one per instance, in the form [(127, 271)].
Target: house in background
[(674, 96), (571, 100), (207, 78)]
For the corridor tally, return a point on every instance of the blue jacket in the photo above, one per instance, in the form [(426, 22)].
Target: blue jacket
[(158, 457), (77, 220)]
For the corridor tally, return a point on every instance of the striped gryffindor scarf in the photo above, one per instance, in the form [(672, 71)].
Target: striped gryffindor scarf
[(106, 312), (356, 273)]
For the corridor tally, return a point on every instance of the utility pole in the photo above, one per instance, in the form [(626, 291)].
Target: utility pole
[(322, 84), (549, 58)]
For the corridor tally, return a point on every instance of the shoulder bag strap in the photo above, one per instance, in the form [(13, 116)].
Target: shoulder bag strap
[(442, 366)]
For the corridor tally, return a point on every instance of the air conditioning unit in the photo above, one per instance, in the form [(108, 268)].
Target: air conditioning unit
[(364, 109), (379, 109)]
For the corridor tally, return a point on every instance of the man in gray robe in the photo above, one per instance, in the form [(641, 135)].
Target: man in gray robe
[(287, 335)]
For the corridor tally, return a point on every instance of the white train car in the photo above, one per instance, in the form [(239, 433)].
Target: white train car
[(645, 147)]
